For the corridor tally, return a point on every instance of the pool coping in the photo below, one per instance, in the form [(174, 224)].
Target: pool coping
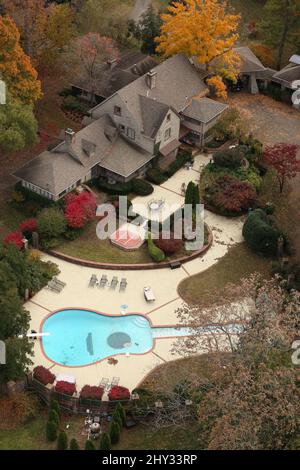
[(106, 315)]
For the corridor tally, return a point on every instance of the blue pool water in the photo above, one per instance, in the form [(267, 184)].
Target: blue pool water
[(80, 337)]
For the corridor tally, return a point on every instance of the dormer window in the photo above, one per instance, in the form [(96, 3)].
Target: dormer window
[(117, 111)]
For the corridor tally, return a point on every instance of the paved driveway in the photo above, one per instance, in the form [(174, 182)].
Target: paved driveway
[(269, 120)]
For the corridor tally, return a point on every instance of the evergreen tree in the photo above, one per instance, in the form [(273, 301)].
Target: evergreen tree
[(148, 29), (121, 412), (74, 445), (105, 442), (51, 431), (62, 441), (53, 416), (89, 445), (280, 25), (114, 432)]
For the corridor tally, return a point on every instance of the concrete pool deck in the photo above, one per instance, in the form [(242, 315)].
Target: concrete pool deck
[(162, 312)]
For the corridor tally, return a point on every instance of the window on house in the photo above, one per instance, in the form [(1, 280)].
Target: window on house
[(130, 133), (168, 133), (117, 111), (122, 128), (169, 117)]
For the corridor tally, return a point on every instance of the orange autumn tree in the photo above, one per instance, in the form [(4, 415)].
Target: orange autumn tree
[(15, 67), (207, 31)]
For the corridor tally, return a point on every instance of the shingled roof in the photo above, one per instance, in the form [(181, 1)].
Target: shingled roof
[(127, 69), (288, 75), (177, 81), (56, 170), (204, 109)]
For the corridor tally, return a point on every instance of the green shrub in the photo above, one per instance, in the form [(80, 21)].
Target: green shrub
[(156, 176), (181, 159), (141, 187), (230, 158), (105, 442), (74, 445), (53, 416), (51, 224), (62, 441), (121, 189), (51, 431), (89, 445), (156, 253), (261, 234), (114, 432), (122, 412), (31, 196)]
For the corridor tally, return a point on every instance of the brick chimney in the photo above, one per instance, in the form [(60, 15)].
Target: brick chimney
[(69, 136), (151, 79), (111, 63)]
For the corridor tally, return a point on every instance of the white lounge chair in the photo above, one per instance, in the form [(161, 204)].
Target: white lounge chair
[(149, 295)]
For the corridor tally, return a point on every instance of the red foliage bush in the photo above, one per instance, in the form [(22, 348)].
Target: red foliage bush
[(65, 387), (29, 226), (92, 392), (14, 238), (232, 196), (118, 393), (43, 375), (79, 209), (169, 246)]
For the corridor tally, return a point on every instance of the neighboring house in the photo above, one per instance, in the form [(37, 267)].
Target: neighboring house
[(114, 75), (287, 76), (141, 121), (253, 74)]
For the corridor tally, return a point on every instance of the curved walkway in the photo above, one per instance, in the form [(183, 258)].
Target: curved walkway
[(162, 312)]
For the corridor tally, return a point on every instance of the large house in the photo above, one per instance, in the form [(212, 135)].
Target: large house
[(288, 78), (114, 75), (123, 134)]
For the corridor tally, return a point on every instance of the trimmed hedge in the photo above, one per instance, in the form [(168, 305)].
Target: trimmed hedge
[(74, 445), (136, 185), (156, 253), (261, 234), (65, 388), (156, 176), (91, 392), (169, 246), (117, 392), (141, 187)]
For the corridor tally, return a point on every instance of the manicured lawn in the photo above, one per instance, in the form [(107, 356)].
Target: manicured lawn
[(30, 436), (238, 263), (89, 247)]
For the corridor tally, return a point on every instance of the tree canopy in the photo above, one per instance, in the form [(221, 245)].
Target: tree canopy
[(205, 30)]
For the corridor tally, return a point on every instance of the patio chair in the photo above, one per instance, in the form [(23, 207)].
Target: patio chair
[(115, 381), (114, 282), (104, 383), (93, 280), (54, 287), (59, 282), (123, 283), (103, 280)]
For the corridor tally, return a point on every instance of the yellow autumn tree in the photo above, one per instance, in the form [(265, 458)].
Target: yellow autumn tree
[(207, 31), (15, 67)]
